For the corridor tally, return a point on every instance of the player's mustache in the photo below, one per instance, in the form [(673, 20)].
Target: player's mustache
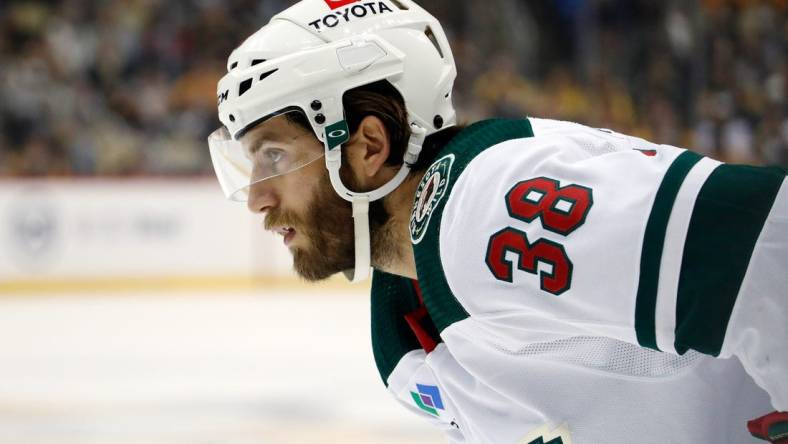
[(277, 218)]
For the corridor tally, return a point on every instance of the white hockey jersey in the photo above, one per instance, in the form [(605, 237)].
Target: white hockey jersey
[(582, 286)]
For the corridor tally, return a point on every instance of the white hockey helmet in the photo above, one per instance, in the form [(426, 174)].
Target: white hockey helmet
[(305, 59)]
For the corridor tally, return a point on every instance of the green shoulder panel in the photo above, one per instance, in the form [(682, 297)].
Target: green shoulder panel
[(431, 196), (392, 298)]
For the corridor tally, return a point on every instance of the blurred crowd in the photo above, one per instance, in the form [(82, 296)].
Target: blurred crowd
[(127, 87)]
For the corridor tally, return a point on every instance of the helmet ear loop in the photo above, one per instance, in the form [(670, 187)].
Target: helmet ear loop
[(360, 201)]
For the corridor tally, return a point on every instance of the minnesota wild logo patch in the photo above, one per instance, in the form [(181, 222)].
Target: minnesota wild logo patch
[(429, 194)]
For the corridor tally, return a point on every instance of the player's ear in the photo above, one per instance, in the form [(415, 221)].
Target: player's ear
[(370, 148)]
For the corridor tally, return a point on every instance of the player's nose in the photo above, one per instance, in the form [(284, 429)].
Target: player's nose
[(262, 197)]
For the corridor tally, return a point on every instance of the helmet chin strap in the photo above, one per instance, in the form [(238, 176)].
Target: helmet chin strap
[(361, 201)]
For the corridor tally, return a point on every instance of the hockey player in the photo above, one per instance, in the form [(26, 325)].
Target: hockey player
[(535, 281)]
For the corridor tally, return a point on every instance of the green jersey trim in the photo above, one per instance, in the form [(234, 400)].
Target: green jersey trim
[(443, 306), (729, 215), (653, 245)]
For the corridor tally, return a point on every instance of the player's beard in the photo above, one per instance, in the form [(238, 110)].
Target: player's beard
[(327, 228)]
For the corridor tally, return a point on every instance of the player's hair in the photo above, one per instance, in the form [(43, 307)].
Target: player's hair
[(382, 100)]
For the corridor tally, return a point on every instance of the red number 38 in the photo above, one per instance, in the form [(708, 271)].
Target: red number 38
[(561, 211)]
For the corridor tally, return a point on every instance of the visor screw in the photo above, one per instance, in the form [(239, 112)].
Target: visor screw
[(320, 119), (438, 122), (317, 105)]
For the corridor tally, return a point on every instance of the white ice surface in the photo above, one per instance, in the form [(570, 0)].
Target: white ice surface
[(197, 368)]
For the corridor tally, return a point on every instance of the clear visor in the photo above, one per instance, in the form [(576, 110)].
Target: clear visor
[(260, 155)]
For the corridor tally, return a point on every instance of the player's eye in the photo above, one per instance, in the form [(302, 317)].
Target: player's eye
[(274, 155), (275, 160)]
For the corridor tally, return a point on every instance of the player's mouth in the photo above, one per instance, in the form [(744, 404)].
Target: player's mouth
[(288, 233)]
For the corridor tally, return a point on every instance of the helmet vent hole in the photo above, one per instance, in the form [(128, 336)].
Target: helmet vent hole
[(257, 62), (232, 118), (234, 65), (399, 4), (438, 122), (245, 85), (431, 35), (264, 75)]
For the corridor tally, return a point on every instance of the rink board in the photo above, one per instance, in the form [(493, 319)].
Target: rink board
[(109, 234)]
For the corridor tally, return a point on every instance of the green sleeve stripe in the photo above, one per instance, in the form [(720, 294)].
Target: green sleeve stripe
[(729, 215), (653, 245), (443, 306)]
